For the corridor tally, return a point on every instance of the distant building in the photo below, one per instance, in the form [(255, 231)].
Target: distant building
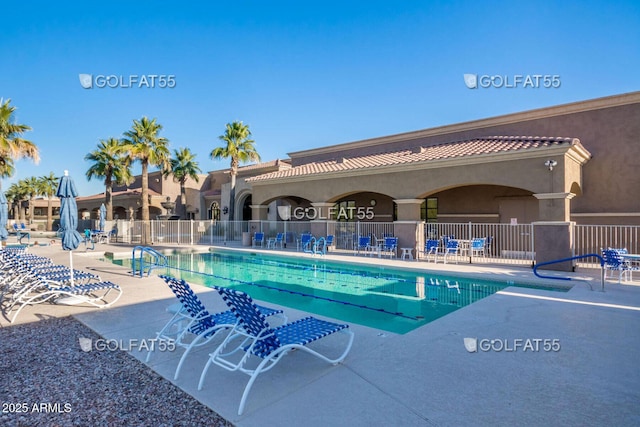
[(206, 199)]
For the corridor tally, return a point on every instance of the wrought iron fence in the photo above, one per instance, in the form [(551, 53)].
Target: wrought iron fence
[(345, 233), (591, 239), (504, 243)]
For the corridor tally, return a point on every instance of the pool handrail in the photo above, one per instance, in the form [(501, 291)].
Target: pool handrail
[(535, 267), (320, 246), (159, 260)]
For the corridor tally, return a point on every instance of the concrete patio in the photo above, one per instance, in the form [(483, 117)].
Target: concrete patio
[(425, 377)]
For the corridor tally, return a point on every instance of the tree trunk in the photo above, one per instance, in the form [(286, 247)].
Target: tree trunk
[(183, 199), (49, 214), (232, 195), (21, 211), (108, 185), (146, 230), (31, 202)]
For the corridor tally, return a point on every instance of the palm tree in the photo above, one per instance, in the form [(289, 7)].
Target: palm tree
[(33, 190), (6, 167), (183, 167), (12, 146), (143, 143), (48, 185), (19, 192), (14, 197), (111, 163), (239, 148)]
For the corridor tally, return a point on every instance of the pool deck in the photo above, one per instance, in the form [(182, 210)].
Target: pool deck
[(425, 377)]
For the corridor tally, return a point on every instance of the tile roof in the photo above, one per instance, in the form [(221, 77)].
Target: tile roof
[(115, 194), (283, 164), (449, 150)]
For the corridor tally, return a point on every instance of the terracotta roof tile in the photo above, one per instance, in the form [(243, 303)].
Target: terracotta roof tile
[(283, 164), (472, 147), (127, 192)]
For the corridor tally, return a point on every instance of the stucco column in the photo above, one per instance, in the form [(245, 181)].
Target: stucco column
[(408, 225), (554, 206), (553, 234), (318, 225)]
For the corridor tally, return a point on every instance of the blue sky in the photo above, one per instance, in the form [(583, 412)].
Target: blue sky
[(301, 74)]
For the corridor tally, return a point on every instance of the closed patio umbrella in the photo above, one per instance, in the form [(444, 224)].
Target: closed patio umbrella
[(103, 216), (4, 215), (68, 217)]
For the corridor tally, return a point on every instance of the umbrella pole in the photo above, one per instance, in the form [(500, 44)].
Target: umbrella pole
[(71, 266)]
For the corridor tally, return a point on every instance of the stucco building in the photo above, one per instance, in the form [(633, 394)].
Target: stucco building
[(575, 162), (553, 167)]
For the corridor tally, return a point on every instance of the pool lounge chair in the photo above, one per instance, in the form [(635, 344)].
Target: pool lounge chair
[(99, 236), (275, 241), (192, 325), (431, 247), (258, 239), (390, 246), (22, 274), (21, 233), (452, 249), (45, 289), (614, 261), (89, 243), (477, 246), (363, 245), (329, 241), (304, 243), (253, 337)]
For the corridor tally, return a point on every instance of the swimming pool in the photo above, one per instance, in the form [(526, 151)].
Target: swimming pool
[(391, 299)]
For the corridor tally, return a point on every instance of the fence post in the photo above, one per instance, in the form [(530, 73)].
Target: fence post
[(470, 236), (533, 246), (191, 231)]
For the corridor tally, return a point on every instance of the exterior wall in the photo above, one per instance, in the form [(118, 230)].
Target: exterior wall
[(489, 204), (608, 127), (419, 182)]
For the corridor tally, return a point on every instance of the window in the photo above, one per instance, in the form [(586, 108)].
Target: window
[(345, 211), (429, 209)]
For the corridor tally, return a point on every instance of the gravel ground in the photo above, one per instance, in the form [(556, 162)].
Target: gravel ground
[(47, 380)]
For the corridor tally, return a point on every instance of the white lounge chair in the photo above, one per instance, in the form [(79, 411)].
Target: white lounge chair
[(253, 337), (192, 325)]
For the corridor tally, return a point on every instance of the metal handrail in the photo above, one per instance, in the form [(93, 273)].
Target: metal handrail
[(157, 258), (320, 246), (535, 267)]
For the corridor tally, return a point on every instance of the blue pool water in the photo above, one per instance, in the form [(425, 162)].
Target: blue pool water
[(391, 299)]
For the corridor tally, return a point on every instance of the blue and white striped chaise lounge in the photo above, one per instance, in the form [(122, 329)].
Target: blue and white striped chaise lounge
[(192, 325), (28, 274), (257, 338), (92, 293), (17, 272)]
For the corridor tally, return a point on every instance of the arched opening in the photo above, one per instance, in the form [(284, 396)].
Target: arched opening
[(365, 206), (480, 203), (246, 209), (119, 212)]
